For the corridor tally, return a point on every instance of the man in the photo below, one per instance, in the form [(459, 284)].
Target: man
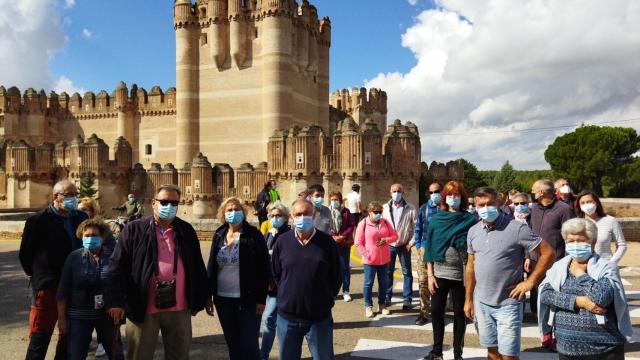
[(132, 207), (565, 194), (402, 215), (426, 211), (323, 220), (306, 268), (274, 195), (47, 239), (262, 202), (353, 202), (494, 287), (157, 274), (548, 215)]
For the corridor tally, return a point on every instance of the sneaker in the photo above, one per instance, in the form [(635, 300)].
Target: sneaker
[(368, 312), (421, 320), (432, 356), (100, 351), (384, 310), (346, 297)]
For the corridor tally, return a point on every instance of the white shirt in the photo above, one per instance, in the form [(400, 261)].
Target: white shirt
[(397, 214), (609, 230), (353, 200)]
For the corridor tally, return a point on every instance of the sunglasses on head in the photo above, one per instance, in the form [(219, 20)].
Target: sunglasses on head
[(434, 192), (167, 202)]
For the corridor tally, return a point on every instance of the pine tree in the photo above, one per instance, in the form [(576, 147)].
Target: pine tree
[(87, 180), (506, 179)]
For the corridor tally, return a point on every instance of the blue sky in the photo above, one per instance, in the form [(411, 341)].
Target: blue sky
[(134, 41)]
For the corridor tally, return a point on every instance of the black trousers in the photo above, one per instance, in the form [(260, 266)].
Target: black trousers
[(616, 354), (438, 307)]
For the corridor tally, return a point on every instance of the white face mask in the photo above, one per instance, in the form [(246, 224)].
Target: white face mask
[(588, 208), (565, 189)]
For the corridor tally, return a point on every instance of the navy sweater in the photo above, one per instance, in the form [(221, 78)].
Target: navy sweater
[(308, 277)]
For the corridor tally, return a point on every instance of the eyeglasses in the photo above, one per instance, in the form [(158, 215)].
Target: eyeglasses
[(167, 202), (520, 203), (434, 192)]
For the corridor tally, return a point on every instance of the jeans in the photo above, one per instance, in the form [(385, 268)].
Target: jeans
[(345, 256), (175, 327), (499, 326), (370, 272), (438, 308), (319, 336), (241, 328), (268, 327), (79, 337), (405, 262)]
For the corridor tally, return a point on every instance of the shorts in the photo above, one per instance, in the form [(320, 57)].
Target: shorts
[(499, 326)]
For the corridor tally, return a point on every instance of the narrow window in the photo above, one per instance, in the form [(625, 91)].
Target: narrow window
[(148, 149)]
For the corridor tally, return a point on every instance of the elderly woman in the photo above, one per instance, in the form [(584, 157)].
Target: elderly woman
[(445, 255), (80, 292), (278, 224), (609, 230), (341, 231), (239, 274), (583, 299), (373, 235)]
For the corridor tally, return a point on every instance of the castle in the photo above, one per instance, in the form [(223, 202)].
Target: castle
[(251, 103)]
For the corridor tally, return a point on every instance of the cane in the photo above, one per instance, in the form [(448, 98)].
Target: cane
[(114, 341)]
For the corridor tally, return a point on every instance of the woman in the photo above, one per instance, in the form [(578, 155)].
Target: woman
[(278, 220), (341, 230), (522, 213), (609, 230), (584, 297), (373, 235), (238, 273), (80, 293), (445, 255)]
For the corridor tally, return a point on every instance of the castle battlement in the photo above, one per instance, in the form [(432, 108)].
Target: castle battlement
[(358, 99)]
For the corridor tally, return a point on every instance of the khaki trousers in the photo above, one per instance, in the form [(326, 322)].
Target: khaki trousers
[(423, 283), (175, 327)]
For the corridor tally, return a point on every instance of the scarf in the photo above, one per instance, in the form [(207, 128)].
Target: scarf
[(447, 229), (522, 217), (336, 214)]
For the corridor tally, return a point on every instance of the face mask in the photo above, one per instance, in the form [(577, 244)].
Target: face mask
[(453, 202), (530, 204), (276, 221), (70, 203), (579, 250), (234, 217), (132, 200), (303, 223), (91, 242), (488, 213), (396, 196), (317, 201), (522, 208), (377, 217), (565, 189), (167, 212), (436, 198), (589, 208), (335, 204), (471, 209)]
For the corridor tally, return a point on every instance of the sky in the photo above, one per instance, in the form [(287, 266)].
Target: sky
[(489, 81)]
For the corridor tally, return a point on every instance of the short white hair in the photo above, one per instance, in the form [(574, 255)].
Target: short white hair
[(278, 205), (580, 226)]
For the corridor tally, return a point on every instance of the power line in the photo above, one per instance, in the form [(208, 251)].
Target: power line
[(549, 128)]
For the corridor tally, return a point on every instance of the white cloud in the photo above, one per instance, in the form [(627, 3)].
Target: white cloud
[(502, 66), (65, 84), (69, 3), (86, 33), (30, 33), (412, 2)]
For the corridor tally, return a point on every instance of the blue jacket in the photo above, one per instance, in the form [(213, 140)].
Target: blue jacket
[(426, 211)]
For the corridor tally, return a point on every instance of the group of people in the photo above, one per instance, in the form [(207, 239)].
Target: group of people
[(280, 279)]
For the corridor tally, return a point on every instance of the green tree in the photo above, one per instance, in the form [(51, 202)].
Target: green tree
[(590, 153), (505, 179), (472, 178), (87, 181)]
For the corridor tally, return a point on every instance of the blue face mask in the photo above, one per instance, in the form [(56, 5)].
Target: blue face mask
[(234, 217), (522, 208), (488, 213), (377, 217), (453, 202), (317, 201), (276, 222), (167, 212), (335, 204), (396, 196), (92, 242), (303, 223), (436, 198), (70, 203), (579, 250)]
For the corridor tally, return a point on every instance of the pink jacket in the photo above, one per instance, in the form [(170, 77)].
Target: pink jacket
[(367, 234)]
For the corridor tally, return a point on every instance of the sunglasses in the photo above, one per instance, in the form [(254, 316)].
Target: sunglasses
[(434, 192), (520, 203), (377, 212), (167, 202)]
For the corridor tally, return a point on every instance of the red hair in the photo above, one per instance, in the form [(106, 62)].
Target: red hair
[(454, 188)]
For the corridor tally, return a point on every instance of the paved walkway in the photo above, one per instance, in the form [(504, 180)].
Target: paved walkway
[(355, 337)]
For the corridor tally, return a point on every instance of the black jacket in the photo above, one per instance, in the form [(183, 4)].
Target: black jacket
[(254, 264), (134, 261), (45, 246)]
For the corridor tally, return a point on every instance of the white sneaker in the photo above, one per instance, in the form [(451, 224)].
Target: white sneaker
[(100, 351), (384, 310), (346, 297), (368, 312)]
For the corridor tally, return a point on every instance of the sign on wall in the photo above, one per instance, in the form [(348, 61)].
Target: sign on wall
[(299, 158)]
